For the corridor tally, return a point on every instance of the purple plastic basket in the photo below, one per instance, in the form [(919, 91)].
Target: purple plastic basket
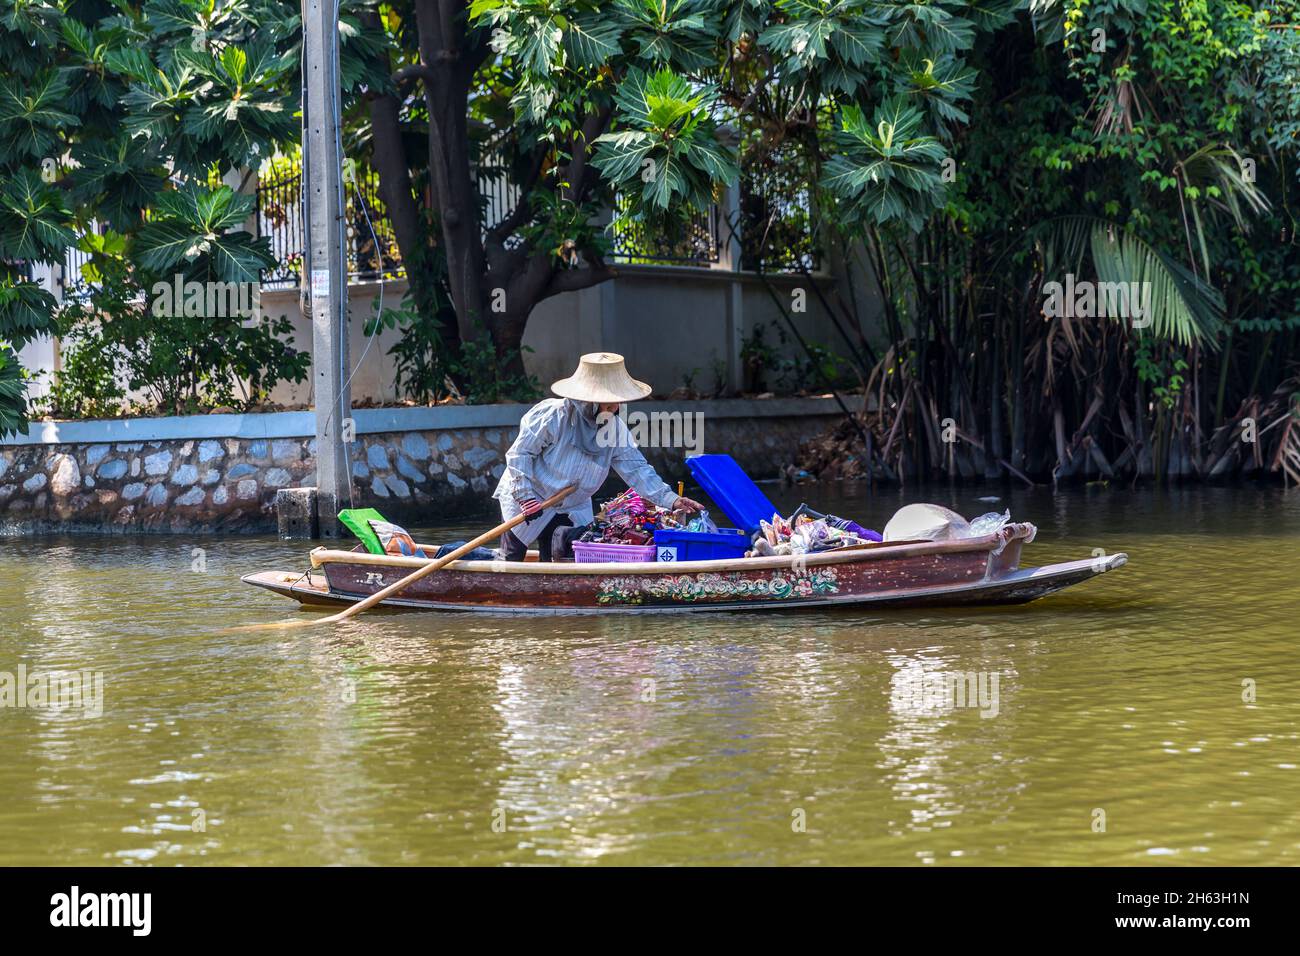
[(589, 552)]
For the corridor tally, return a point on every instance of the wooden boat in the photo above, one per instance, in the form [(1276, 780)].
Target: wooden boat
[(982, 570)]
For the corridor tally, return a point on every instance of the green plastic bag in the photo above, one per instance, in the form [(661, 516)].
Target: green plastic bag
[(357, 520)]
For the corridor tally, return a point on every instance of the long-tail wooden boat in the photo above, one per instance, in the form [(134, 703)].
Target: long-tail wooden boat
[(982, 570)]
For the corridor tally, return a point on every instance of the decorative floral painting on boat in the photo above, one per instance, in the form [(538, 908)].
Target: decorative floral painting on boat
[(733, 586)]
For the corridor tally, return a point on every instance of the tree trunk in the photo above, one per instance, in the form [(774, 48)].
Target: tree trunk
[(482, 275), (508, 336), (447, 64), (389, 158)]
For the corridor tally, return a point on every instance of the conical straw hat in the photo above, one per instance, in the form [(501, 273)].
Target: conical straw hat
[(601, 377)]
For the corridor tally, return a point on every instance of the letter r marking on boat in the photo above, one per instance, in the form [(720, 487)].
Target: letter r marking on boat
[(374, 577)]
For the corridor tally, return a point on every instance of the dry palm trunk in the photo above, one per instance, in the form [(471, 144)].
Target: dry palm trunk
[(1288, 452), (898, 420), (1198, 463), (1098, 457), (1063, 467), (1145, 456), (931, 422)]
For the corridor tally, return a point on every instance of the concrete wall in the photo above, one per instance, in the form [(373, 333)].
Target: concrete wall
[(220, 473), (41, 356), (373, 378), (670, 322)]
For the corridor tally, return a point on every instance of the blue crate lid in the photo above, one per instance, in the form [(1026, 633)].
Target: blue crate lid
[(721, 536), (732, 489)]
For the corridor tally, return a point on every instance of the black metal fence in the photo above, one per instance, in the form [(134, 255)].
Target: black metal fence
[(776, 223), (697, 241), (279, 218), (75, 286), (372, 251)]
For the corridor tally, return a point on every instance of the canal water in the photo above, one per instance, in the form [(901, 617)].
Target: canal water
[(1151, 716)]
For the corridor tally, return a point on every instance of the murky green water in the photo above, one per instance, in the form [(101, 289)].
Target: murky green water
[(404, 739)]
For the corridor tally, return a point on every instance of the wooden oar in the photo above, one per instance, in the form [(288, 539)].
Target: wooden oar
[(440, 563)]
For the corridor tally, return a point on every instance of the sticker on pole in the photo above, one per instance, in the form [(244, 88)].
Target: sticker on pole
[(320, 283)]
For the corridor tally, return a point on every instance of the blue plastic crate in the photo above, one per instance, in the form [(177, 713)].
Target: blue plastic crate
[(671, 545), (728, 485)]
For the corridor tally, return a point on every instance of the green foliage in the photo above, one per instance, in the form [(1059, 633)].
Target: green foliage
[(668, 153), (886, 169), (87, 385), (1182, 307), (795, 371), (481, 366), (128, 115), (190, 231), (819, 368), (1164, 374), (1147, 141), (13, 393), (182, 363), (643, 91)]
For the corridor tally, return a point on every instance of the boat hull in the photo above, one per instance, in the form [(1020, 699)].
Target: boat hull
[(976, 571), (1016, 587)]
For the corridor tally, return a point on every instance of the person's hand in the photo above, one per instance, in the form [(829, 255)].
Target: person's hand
[(531, 506), (687, 504)]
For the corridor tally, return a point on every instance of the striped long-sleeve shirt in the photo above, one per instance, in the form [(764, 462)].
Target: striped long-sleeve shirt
[(547, 456)]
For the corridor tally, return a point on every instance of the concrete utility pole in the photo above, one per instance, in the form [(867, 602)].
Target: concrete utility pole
[(325, 271)]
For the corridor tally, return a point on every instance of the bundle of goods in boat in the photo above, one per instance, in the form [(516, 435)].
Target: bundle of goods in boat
[(806, 532), (623, 530), (627, 519), (630, 529)]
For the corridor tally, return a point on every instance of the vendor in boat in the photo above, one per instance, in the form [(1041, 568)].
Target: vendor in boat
[(576, 439)]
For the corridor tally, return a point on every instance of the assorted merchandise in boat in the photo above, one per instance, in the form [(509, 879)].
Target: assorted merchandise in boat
[(927, 555), (628, 528), (806, 532)]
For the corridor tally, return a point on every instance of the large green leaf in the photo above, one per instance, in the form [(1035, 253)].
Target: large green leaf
[(925, 26), (26, 312), (939, 84), (13, 394), (671, 33), (33, 219), (665, 152), (592, 40), (886, 168), (241, 112), (191, 233), (156, 104), (118, 178), (30, 117)]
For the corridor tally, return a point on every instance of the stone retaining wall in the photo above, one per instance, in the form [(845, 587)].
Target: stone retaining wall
[(220, 473)]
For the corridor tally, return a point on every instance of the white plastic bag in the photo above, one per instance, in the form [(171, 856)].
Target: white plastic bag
[(990, 523)]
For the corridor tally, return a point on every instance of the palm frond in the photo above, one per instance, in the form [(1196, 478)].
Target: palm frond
[(1228, 181), (1174, 304)]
